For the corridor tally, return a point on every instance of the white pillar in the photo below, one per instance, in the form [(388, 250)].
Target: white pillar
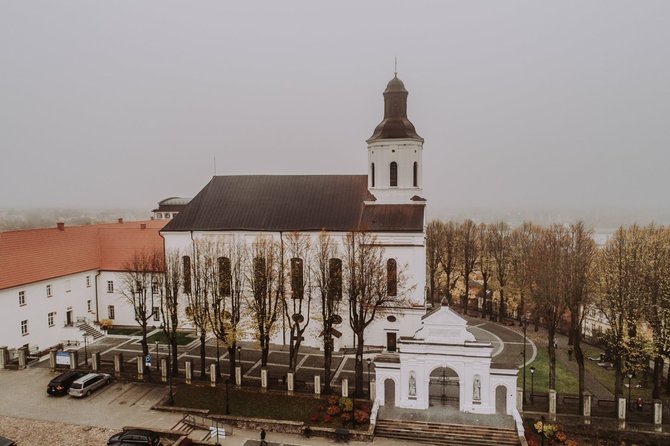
[(118, 364), (212, 374), (317, 385), (264, 378), (238, 375), (95, 361), (164, 370), (373, 390), (4, 357), (519, 399), (74, 360), (22, 358), (587, 404), (289, 381), (188, 365), (658, 413), (621, 413), (140, 367), (552, 404), (345, 387)]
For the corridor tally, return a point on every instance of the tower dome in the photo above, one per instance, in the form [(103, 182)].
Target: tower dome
[(395, 124)]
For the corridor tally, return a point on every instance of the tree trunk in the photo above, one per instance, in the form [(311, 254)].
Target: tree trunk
[(667, 385), (203, 356), (551, 331), (618, 376), (658, 377), (232, 357), (175, 358), (265, 350), (327, 363), (359, 364)]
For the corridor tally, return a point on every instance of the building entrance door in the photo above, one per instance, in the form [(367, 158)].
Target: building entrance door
[(68, 318), (390, 342)]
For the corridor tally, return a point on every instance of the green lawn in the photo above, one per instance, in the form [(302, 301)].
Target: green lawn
[(126, 331), (183, 338), (566, 381), (255, 404)]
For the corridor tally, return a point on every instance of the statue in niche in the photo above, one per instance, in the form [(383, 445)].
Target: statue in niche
[(476, 389), (412, 384)]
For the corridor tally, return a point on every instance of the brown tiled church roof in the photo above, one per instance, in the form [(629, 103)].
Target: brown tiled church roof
[(292, 203)]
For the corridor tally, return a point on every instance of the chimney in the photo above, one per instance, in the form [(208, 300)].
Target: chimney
[(120, 220), (61, 226), (143, 226)]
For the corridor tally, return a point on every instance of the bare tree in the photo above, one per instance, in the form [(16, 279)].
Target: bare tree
[(446, 241), (139, 288), (169, 288), (327, 273), (621, 291), (581, 250), (199, 285), (264, 277), (468, 249), (485, 261), (297, 306), (434, 238), (522, 241), (500, 245), (374, 286)]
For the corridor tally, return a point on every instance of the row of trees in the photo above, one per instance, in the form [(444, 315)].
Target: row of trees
[(234, 290), (553, 274)]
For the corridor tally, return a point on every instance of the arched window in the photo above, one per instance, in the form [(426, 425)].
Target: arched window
[(416, 174), (186, 263), (297, 286), (372, 174), (225, 278), (335, 279), (391, 277), (394, 174)]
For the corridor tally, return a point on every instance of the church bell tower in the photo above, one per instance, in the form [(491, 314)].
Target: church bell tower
[(395, 151)]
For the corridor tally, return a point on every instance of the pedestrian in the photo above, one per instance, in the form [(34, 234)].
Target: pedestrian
[(263, 442)]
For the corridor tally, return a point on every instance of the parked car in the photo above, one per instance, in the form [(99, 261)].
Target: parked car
[(61, 384), (135, 437), (85, 385), (7, 442)]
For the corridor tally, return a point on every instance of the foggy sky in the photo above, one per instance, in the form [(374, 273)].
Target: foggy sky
[(521, 103)]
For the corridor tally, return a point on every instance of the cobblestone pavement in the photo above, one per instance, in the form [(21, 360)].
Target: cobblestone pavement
[(46, 433)]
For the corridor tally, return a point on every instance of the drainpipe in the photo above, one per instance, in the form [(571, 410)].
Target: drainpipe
[(97, 306)]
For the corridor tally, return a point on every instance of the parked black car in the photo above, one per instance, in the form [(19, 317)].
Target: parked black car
[(135, 437), (60, 384), (6, 442)]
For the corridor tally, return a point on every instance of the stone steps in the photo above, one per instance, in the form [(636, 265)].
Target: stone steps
[(446, 434), (90, 331)]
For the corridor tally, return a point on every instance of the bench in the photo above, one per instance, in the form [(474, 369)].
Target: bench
[(341, 435)]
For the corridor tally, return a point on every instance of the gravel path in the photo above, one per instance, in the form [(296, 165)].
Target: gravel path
[(37, 433)]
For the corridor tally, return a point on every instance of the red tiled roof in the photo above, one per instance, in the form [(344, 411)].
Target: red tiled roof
[(33, 255)]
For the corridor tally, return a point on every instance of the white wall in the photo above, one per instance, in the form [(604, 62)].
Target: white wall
[(68, 293)]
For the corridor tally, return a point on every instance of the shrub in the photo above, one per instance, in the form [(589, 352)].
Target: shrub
[(315, 417), (327, 418), (333, 410), (346, 404), (332, 400), (362, 416), (106, 324)]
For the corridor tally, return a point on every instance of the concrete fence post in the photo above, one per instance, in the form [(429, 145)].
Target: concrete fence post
[(317, 385), (188, 365), (212, 374), (74, 360), (519, 399), (52, 359), (345, 387), (264, 378), (95, 361), (238, 375), (118, 364), (140, 366), (621, 409), (23, 358), (587, 397), (373, 390), (164, 370), (4, 357), (552, 404), (289, 382), (658, 414)]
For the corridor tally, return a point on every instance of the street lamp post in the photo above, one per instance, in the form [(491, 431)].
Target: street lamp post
[(629, 375), (524, 321), (369, 390), (532, 382), (218, 360), (158, 358)]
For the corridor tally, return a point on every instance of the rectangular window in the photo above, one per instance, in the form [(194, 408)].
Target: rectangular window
[(154, 288), (22, 298), (49, 290), (88, 281), (157, 314), (50, 319), (24, 328), (89, 304), (110, 312), (110, 286)]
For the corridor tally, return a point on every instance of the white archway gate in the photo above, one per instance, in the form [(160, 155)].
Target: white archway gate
[(443, 355)]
